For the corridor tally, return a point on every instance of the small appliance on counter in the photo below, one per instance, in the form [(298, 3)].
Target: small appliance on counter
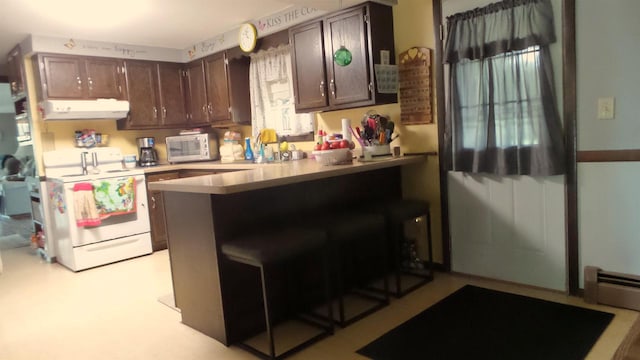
[(192, 147), (148, 156)]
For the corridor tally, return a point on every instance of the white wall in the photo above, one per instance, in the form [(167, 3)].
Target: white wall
[(6, 104), (607, 53), (8, 131), (607, 49)]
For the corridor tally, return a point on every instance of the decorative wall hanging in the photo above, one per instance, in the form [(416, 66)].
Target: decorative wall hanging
[(415, 86), (342, 56)]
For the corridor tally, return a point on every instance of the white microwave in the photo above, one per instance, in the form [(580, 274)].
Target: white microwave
[(193, 147)]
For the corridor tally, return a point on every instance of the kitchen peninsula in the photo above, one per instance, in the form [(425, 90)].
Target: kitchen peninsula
[(221, 298)]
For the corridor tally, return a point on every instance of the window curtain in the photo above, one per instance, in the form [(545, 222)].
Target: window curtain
[(502, 116), (271, 90)]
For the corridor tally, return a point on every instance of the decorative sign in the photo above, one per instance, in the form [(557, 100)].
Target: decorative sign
[(266, 25), (414, 72), (386, 78), (38, 43)]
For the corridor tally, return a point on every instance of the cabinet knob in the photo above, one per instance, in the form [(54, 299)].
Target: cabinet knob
[(322, 88), (210, 108), (90, 83), (155, 112), (79, 82), (332, 86), (153, 202), (204, 109), (164, 112)]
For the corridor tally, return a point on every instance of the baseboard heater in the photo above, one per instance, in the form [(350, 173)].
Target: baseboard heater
[(611, 288)]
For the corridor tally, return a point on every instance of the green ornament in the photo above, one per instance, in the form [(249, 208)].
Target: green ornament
[(342, 56)]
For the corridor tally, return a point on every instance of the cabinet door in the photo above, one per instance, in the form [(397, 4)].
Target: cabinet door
[(103, 78), (143, 98), (197, 94), (308, 65), (15, 65), (239, 93), (157, 217), (157, 221), (62, 77), (172, 94), (217, 88), (350, 83)]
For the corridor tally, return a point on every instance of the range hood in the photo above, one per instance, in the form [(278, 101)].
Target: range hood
[(84, 109)]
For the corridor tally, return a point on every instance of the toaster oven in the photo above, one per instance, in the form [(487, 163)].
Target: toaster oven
[(192, 147)]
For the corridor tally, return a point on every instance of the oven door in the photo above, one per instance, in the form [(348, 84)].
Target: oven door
[(113, 227)]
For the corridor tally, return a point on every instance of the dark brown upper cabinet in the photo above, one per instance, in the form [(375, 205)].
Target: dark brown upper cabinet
[(319, 82), (156, 95), (219, 89), (15, 67), (80, 77), (228, 92), (171, 84), (197, 105)]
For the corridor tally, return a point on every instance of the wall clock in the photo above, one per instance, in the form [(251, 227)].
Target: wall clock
[(247, 37)]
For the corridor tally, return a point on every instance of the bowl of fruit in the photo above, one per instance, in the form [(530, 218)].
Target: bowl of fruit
[(334, 152)]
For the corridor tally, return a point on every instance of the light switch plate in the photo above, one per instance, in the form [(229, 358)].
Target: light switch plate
[(606, 108)]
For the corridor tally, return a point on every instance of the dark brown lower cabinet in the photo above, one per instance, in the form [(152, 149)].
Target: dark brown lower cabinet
[(157, 215)]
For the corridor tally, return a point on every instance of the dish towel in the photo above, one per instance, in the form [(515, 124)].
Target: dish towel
[(115, 196), (85, 205)]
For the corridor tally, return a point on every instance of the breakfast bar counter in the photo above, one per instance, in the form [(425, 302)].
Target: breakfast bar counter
[(221, 298), (259, 176)]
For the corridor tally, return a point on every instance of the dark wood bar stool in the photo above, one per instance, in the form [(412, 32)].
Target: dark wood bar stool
[(357, 243), (279, 248), (397, 212)]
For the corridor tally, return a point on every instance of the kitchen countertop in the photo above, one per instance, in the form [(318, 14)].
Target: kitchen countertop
[(203, 165), (252, 176)]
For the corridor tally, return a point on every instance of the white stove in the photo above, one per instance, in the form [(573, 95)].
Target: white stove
[(97, 208), (66, 165)]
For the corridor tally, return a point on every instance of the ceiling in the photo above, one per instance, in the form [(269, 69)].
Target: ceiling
[(158, 23)]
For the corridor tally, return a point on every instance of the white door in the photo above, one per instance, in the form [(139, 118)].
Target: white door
[(508, 228)]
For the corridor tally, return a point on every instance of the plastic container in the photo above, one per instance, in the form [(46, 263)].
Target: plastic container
[(378, 150), (130, 161), (333, 157)]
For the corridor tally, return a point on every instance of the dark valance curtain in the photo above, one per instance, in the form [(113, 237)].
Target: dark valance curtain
[(502, 116)]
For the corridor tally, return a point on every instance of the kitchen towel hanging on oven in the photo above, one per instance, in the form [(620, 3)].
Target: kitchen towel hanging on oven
[(115, 196), (84, 205)]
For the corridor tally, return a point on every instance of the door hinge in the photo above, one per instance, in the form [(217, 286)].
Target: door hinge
[(370, 87), (229, 109), (119, 89), (366, 18), (226, 61), (441, 32)]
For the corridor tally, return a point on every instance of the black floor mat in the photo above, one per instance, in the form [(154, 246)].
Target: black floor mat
[(478, 323)]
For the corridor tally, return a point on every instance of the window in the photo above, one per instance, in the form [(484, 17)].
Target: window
[(511, 99)]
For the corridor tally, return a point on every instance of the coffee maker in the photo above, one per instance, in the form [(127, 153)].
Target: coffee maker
[(148, 156)]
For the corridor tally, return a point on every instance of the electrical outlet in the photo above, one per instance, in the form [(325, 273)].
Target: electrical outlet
[(606, 108)]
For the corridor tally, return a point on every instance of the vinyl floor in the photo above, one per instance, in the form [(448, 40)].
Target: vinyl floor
[(113, 312)]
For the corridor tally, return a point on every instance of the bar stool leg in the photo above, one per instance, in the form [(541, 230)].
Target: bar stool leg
[(429, 245), (327, 290), (267, 314)]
